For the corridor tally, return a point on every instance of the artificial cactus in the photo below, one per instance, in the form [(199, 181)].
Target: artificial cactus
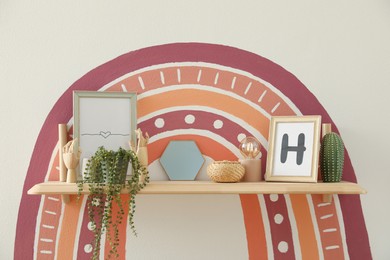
[(331, 158)]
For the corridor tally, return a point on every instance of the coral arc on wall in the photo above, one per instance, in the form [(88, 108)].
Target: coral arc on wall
[(214, 95)]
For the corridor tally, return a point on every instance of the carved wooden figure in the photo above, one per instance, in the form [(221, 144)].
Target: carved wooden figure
[(141, 149), (71, 159)]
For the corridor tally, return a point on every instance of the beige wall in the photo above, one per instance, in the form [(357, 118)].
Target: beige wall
[(339, 50)]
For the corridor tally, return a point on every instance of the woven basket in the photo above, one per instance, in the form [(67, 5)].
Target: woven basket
[(225, 171)]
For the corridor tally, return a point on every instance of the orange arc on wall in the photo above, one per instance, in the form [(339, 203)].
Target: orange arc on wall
[(244, 86), (221, 102)]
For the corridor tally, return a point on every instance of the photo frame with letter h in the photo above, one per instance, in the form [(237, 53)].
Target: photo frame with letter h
[(293, 149)]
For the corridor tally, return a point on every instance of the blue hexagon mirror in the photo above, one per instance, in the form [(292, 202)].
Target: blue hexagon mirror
[(182, 160), (250, 149)]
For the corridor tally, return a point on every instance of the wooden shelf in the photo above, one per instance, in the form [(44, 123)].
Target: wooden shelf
[(206, 187)]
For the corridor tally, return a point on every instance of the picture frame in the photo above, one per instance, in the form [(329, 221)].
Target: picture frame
[(106, 119), (293, 148)]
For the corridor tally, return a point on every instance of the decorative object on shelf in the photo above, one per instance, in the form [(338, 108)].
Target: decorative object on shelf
[(141, 149), (106, 119), (225, 171), (62, 140), (182, 160), (293, 148), (106, 177), (250, 148), (71, 156), (331, 157)]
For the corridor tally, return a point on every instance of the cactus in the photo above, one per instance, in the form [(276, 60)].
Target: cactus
[(331, 158)]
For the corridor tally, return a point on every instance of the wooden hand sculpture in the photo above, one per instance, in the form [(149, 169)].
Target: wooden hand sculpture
[(141, 149), (71, 160)]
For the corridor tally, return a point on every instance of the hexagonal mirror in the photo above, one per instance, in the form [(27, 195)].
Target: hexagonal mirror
[(182, 160)]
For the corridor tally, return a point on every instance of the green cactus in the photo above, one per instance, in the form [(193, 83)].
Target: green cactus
[(331, 158)]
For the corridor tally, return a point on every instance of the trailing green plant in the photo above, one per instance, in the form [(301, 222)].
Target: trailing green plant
[(331, 157), (105, 175)]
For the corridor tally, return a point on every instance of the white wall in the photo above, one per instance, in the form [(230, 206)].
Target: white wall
[(339, 49)]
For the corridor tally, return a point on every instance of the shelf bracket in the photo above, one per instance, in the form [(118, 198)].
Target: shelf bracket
[(327, 198), (65, 199)]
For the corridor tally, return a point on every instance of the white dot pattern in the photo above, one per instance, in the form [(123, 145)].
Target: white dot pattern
[(240, 137), (189, 119), (159, 123), (274, 197), (88, 248), (278, 218), (90, 226), (218, 124), (283, 247)]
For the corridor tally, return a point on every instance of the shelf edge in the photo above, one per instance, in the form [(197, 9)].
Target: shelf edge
[(204, 187)]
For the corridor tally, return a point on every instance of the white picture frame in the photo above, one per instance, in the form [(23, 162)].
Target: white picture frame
[(106, 119), (293, 149)]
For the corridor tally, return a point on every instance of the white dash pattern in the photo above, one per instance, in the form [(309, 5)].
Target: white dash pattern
[(262, 96), (329, 230), (47, 226), (178, 75), (216, 78), (50, 212), (323, 204), (275, 107), (326, 216), (199, 75), (248, 88), (47, 240), (53, 199), (332, 247), (141, 82), (162, 77), (46, 252), (233, 82)]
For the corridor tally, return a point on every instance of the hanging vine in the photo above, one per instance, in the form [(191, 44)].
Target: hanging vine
[(105, 175)]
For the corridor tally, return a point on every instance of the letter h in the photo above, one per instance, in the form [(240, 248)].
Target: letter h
[(300, 149)]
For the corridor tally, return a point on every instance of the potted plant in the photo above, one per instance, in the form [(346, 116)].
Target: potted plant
[(105, 175)]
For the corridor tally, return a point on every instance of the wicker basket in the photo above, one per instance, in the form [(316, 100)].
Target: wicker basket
[(225, 171)]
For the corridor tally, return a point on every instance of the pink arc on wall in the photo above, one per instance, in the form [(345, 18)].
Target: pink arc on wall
[(215, 95)]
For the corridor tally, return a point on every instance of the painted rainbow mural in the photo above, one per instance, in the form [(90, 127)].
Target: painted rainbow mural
[(215, 95)]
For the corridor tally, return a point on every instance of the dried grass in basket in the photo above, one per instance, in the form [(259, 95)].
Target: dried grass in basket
[(225, 171)]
